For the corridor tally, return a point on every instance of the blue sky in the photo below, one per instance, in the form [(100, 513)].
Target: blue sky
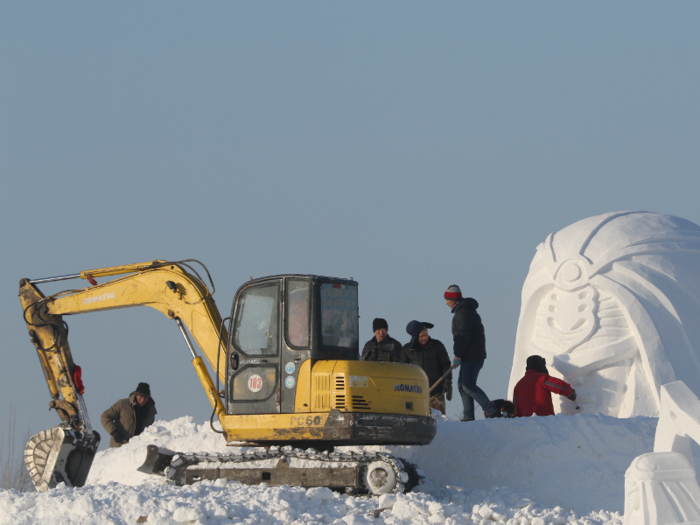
[(406, 144)]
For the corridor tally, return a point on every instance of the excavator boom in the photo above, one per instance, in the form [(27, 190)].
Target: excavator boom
[(64, 453)]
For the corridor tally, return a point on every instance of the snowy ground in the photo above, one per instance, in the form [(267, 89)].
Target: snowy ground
[(529, 471)]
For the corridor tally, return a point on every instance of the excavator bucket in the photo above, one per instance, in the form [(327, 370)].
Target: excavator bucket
[(157, 460), (60, 455)]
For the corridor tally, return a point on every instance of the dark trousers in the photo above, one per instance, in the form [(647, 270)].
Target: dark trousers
[(468, 374)]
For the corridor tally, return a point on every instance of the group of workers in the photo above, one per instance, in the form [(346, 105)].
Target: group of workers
[(423, 351), (532, 394)]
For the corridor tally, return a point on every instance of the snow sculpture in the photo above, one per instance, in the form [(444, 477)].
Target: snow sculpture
[(613, 304), (660, 487)]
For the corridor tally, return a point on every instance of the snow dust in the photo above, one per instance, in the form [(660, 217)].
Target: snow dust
[(527, 471)]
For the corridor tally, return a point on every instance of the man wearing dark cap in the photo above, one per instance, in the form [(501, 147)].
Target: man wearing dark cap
[(470, 351), (382, 347), (431, 355), (128, 417), (533, 393)]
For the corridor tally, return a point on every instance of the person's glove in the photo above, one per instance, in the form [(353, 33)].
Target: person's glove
[(118, 437), (456, 361), (572, 396), (448, 393)]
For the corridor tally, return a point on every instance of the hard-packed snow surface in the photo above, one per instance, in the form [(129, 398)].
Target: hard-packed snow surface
[(528, 471)]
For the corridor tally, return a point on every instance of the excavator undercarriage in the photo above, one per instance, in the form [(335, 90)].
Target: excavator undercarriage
[(351, 472)]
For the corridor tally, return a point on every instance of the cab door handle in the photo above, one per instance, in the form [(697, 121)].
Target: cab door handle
[(235, 360)]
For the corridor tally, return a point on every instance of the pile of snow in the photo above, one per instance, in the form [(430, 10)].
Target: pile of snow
[(529, 471)]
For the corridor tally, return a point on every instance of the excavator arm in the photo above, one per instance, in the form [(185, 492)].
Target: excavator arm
[(165, 286)]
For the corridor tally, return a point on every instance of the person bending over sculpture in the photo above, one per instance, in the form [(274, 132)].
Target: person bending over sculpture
[(382, 347), (470, 351), (533, 393), (431, 355), (130, 416)]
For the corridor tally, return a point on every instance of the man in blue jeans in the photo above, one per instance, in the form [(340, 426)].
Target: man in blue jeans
[(470, 351)]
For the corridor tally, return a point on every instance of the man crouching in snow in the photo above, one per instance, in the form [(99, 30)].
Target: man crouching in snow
[(128, 417), (533, 393)]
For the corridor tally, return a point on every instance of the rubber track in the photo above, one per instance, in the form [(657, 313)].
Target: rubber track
[(407, 475)]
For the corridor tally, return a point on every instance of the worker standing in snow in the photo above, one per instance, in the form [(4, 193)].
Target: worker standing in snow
[(533, 393), (431, 355), (470, 351), (382, 347), (130, 416)]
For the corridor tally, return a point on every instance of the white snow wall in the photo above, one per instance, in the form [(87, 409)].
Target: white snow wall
[(612, 303)]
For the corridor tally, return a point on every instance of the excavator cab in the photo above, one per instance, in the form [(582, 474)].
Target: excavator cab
[(294, 377), (278, 324)]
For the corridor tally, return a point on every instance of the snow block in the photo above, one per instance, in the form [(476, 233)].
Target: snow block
[(660, 487), (679, 421)]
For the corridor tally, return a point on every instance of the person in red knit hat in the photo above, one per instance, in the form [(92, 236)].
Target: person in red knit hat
[(532, 395), (470, 352)]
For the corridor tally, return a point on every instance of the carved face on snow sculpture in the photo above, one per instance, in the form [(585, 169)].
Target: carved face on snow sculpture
[(613, 304)]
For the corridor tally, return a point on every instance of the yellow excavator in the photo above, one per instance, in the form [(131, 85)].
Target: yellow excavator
[(287, 358)]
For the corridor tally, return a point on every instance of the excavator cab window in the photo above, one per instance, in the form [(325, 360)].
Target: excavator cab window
[(298, 306), (254, 359), (339, 316), (255, 328)]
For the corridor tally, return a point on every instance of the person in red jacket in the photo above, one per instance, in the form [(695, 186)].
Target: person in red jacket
[(533, 393)]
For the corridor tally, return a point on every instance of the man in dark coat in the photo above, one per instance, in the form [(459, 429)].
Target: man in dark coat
[(130, 416), (431, 355), (470, 352), (533, 393), (382, 347)]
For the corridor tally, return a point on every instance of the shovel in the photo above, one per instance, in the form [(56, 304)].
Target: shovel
[(442, 378)]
